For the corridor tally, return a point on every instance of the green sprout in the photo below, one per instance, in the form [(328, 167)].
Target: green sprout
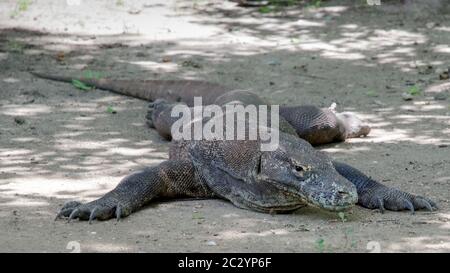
[(414, 90), (320, 245), (111, 110), (197, 216), (21, 6), (15, 46), (372, 93), (342, 216), (90, 74), (277, 5), (80, 85), (315, 4), (295, 40), (265, 9)]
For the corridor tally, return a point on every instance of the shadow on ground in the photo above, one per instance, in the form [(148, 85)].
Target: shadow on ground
[(59, 143)]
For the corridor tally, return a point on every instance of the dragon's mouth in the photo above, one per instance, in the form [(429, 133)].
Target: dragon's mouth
[(336, 199), (340, 207)]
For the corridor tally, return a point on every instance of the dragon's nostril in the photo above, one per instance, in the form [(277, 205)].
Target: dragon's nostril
[(343, 193)]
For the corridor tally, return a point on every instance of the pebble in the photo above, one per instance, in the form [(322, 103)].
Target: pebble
[(211, 243), (19, 120), (444, 75)]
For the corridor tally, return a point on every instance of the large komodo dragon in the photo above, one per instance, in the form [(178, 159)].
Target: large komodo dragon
[(282, 180)]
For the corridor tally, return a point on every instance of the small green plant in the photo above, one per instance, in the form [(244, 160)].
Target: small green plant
[(320, 245), (111, 110), (15, 46), (120, 3), (295, 40), (350, 240), (315, 4), (342, 216), (81, 85), (90, 74), (21, 6), (414, 90), (197, 216), (372, 93), (277, 5), (265, 9), (283, 2)]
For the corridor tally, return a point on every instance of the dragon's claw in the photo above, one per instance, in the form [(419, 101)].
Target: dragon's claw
[(101, 209), (395, 200)]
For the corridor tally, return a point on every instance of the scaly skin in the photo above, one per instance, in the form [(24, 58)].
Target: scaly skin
[(283, 180), (315, 125), (374, 195)]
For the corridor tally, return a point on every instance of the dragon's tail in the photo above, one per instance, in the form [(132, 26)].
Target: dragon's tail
[(150, 90)]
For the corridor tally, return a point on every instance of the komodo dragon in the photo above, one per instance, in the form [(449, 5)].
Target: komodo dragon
[(278, 181)]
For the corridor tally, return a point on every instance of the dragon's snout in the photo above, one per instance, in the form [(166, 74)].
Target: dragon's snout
[(334, 194), (345, 198)]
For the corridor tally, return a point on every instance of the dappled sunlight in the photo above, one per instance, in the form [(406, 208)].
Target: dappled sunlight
[(18, 201), (24, 110), (393, 125), (435, 243), (445, 217), (130, 151), (438, 88), (4, 56), (11, 80), (236, 234), (14, 152), (346, 149), (302, 32), (71, 150), (69, 145), (52, 186), (24, 139), (230, 215), (399, 135), (106, 247), (155, 66), (442, 49), (350, 42)]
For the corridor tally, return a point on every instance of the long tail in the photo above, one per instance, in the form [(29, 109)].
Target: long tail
[(150, 90)]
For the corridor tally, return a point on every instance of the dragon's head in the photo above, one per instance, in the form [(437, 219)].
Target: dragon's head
[(297, 168)]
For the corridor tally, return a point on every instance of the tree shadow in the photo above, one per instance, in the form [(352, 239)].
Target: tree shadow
[(70, 147)]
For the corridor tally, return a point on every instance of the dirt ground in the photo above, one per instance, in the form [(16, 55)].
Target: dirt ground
[(59, 143)]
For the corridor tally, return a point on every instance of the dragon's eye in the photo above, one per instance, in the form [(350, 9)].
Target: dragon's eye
[(299, 168)]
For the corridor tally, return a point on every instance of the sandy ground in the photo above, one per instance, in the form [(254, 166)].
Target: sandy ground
[(58, 143)]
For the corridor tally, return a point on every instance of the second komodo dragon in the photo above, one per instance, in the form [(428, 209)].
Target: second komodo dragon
[(281, 180)]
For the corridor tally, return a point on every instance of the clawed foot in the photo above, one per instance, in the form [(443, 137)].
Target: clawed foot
[(353, 125), (101, 209), (392, 199)]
